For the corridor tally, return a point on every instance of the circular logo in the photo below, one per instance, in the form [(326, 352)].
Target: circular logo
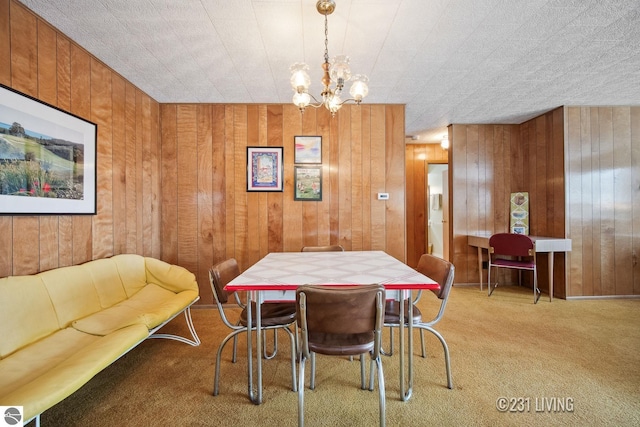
[(12, 416)]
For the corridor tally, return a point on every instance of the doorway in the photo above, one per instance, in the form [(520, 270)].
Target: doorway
[(437, 229)]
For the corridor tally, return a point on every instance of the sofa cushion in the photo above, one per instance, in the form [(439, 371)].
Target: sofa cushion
[(26, 313), (72, 293), (51, 369), (150, 306), (107, 281), (25, 366), (131, 268)]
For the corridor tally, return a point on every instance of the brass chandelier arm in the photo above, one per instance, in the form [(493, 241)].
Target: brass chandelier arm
[(318, 104)]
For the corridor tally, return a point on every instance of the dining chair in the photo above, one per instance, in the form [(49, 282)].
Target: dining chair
[(327, 248), (274, 316), (341, 321), (514, 251), (442, 272)]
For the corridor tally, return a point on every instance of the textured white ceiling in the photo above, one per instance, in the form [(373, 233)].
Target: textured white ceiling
[(449, 61)]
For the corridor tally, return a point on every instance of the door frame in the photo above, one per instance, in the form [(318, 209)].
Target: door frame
[(446, 240)]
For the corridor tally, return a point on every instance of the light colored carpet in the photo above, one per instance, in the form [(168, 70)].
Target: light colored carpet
[(583, 355)]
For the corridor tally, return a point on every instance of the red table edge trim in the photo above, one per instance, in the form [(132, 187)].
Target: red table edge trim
[(391, 286)]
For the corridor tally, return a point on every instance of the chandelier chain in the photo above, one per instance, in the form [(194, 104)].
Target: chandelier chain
[(326, 38)]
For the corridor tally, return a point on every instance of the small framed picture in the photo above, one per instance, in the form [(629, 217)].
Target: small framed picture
[(308, 183), (264, 169), (308, 149), (518, 230)]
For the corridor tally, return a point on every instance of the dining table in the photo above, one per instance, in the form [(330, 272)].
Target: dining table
[(275, 278)]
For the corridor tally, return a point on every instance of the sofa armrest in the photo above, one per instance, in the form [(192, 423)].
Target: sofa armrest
[(169, 276)]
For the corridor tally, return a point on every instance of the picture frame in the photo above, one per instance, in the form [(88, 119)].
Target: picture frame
[(519, 212), (307, 181), (308, 149), (265, 169), (47, 158)]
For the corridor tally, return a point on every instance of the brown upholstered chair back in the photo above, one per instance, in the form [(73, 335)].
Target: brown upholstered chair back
[(439, 270), (340, 320), (328, 248), (221, 274)]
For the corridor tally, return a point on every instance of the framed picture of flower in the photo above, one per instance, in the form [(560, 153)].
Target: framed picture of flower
[(47, 158), (264, 169)]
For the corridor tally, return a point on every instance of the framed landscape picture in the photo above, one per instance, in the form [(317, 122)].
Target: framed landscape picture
[(264, 169), (308, 183), (308, 149), (47, 158)]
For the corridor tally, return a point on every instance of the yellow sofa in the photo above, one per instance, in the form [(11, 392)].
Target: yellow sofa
[(61, 327)]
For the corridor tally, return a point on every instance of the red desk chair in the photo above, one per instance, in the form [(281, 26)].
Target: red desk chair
[(515, 251)]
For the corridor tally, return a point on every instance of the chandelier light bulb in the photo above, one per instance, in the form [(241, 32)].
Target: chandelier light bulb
[(301, 100), (340, 72), (359, 88), (300, 80), (333, 103)]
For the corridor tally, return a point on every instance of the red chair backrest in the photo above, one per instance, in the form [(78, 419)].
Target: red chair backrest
[(511, 244)]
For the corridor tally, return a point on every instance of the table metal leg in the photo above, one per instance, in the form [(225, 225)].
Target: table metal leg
[(480, 265), (406, 384), (255, 393), (550, 255)]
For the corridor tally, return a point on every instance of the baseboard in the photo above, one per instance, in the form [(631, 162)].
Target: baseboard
[(604, 297), (198, 306)]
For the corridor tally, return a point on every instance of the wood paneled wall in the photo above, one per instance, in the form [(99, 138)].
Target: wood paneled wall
[(481, 166), (488, 162), (581, 167), (603, 200), (42, 62), (543, 175), (418, 157), (207, 214)]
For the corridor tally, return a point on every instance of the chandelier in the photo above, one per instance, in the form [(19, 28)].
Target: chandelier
[(336, 73)]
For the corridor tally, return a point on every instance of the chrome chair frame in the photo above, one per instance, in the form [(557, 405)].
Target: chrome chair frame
[(238, 328), (443, 272), (417, 318), (304, 300), (516, 246)]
